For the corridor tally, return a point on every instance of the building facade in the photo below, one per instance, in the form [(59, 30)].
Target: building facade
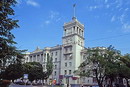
[(66, 57)]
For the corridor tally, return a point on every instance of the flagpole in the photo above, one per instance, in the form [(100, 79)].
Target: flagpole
[(74, 9)]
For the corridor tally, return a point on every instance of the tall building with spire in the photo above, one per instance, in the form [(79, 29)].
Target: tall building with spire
[(66, 57)]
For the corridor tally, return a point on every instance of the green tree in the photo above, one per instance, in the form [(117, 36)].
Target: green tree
[(102, 62), (34, 70), (7, 49), (49, 66), (13, 71), (125, 67)]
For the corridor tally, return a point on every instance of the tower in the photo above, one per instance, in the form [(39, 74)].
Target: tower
[(73, 43)]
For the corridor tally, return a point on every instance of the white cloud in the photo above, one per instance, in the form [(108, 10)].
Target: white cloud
[(47, 22), (93, 7), (32, 3), (122, 18), (113, 18), (125, 24), (126, 27), (106, 1), (58, 19), (53, 14), (126, 9), (107, 6)]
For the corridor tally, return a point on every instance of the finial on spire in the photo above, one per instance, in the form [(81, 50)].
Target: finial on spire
[(74, 5)]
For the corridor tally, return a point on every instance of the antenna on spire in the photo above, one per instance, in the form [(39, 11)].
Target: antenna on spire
[(74, 8), (74, 5)]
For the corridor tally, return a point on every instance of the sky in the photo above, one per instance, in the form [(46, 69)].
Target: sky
[(107, 22)]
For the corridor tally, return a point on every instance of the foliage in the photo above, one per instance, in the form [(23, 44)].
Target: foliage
[(102, 62), (49, 66), (34, 70), (13, 71), (8, 52)]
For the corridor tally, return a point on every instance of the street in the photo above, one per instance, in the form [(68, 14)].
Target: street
[(15, 85)]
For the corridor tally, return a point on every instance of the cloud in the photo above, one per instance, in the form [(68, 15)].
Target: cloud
[(124, 23), (53, 14), (113, 18), (92, 7), (32, 3), (122, 18), (52, 17), (126, 27), (47, 22), (126, 9), (106, 1), (107, 6)]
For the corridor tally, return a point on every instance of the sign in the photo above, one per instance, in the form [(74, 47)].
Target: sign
[(25, 76), (68, 75), (54, 82)]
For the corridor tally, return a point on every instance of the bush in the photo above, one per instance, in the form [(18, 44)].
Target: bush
[(4, 83)]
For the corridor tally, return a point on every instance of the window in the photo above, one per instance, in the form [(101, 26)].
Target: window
[(55, 73), (30, 58), (44, 55), (69, 71), (66, 49), (41, 57), (81, 43), (65, 57), (27, 58), (70, 48), (65, 72), (55, 66), (78, 42), (44, 66), (84, 79), (38, 57), (56, 54), (55, 59), (70, 64), (74, 27), (34, 58), (51, 54), (70, 56), (65, 64)]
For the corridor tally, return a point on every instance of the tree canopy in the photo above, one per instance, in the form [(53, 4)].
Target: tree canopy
[(105, 64), (8, 50), (49, 66), (13, 71), (34, 70)]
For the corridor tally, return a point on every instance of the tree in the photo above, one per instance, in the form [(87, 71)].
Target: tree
[(7, 49), (49, 66), (13, 71), (34, 70), (102, 63), (125, 67)]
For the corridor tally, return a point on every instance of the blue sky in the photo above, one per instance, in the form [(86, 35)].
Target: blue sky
[(107, 22)]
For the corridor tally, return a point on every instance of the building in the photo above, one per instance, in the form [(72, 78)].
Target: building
[(66, 57)]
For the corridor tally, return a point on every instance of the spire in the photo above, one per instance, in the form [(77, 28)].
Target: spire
[(37, 48), (73, 18)]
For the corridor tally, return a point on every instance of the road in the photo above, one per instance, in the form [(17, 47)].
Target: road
[(14, 85)]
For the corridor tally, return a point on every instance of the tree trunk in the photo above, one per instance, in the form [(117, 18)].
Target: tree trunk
[(127, 82), (100, 85), (111, 83)]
